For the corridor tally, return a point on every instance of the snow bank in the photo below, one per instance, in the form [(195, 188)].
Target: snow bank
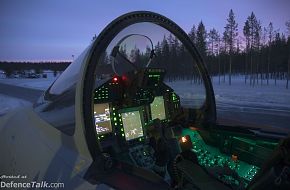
[(8, 104)]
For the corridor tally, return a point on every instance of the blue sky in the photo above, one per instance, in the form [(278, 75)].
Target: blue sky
[(58, 29)]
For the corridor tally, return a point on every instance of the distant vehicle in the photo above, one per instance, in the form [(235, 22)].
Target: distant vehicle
[(14, 75), (33, 75), (118, 118), (2, 74)]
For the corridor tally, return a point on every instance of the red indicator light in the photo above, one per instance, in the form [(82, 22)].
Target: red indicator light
[(115, 79)]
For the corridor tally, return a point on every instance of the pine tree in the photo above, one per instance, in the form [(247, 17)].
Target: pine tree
[(258, 37), (212, 45), (270, 31), (166, 55), (246, 32), (250, 32), (192, 34), (224, 51), (277, 44), (158, 58), (231, 33), (173, 48), (288, 27), (219, 56), (213, 41), (201, 39), (288, 47)]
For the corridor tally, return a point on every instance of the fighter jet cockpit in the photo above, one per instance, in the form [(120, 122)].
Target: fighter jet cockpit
[(152, 108), (135, 104), (147, 107), (142, 98)]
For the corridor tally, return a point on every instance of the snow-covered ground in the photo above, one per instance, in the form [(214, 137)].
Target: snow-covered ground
[(259, 105), (238, 94), (241, 94), (8, 104), (34, 83), (272, 101), (38, 83)]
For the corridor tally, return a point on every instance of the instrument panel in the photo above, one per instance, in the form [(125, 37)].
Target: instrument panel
[(212, 158), (124, 105)]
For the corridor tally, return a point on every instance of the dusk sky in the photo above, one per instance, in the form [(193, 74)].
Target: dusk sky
[(56, 30)]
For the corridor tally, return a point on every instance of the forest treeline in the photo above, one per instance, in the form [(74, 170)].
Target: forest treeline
[(258, 53), (37, 67)]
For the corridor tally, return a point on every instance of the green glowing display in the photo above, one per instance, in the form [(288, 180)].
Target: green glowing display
[(158, 108)]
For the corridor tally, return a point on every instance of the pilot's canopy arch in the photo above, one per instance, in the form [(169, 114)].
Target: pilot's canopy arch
[(148, 45), (133, 46)]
